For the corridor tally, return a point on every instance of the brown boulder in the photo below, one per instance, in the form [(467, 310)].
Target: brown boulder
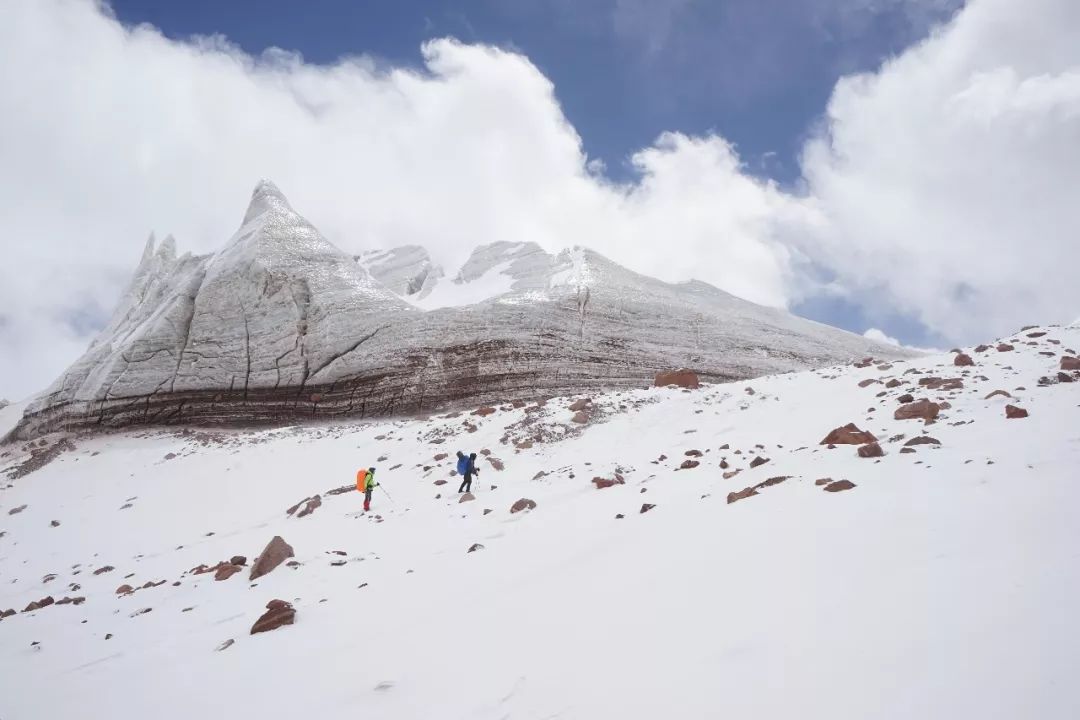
[(104, 569), (839, 486), (580, 417), (645, 507), (310, 506), (17, 510), (963, 360), (848, 435), (440, 482), (872, 450), (1004, 347), (758, 461), (693, 453), (681, 378), (226, 571), (741, 494), (1013, 412), (822, 481), (522, 504), (894, 383), (278, 613), (275, 553), (922, 440), (579, 405), (867, 383), (919, 410), (125, 590), (1070, 363), (484, 411), (238, 560), (38, 604), (466, 497), (441, 456), (906, 398), (602, 483), (689, 464)]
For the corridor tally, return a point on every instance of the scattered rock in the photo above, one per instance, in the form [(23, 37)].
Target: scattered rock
[(38, 604), (226, 571), (822, 481), (104, 569), (474, 547), (871, 450), (275, 553), (522, 504), (1013, 412), (906, 450), (646, 507), (484, 411), (466, 497), (919, 410), (238, 560), (310, 504), (579, 405), (693, 453), (982, 348), (848, 435), (758, 461), (867, 382), (906, 398), (440, 482), (602, 483), (962, 360), (278, 613), (54, 523), (125, 590), (681, 378), (839, 486), (580, 418), (922, 440), (1004, 347), (741, 494), (225, 645), (496, 462), (1070, 363), (441, 456), (997, 393), (689, 464), (894, 383), (17, 510)]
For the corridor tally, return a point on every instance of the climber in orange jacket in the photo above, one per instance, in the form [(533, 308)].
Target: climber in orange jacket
[(365, 483)]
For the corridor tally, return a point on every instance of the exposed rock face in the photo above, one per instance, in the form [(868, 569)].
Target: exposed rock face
[(281, 326), (278, 613), (276, 552), (848, 435), (679, 378), (1070, 363)]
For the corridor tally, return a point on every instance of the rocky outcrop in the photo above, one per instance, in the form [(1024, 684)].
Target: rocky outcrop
[(848, 435), (871, 450), (281, 326), (1012, 412), (276, 552), (918, 410), (677, 378)]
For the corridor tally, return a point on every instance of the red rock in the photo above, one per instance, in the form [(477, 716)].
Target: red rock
[(275, 553), (681, 378), (848, 435), (238, 560), (125, 590), (920, 410), (822, 481), (922, 440), (278, 613), (839, 486), (484, 411), (963, 360), (645, 507), (689, 464), (104, 569), (579, 405), (1013, 412), (1070, 363), (868, 382), (872, 450), (466, 497), (741, 495), (693, 453), (1004, 347), (226, 571), (758, 461), (522, 504), (602, 483)]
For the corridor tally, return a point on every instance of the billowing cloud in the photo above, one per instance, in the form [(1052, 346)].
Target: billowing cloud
[(949, 177), (939, 187)]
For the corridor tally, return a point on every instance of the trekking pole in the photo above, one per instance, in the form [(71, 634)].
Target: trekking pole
[(388, 497)]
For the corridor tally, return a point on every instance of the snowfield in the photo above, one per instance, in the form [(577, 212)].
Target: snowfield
[(943, 584)]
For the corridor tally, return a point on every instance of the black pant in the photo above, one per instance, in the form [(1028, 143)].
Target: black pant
[(466, 484)]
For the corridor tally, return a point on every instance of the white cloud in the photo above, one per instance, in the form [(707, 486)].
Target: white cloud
[(941, 187), (949, 177)]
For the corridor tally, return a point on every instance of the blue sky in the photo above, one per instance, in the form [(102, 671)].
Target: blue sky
[(758, 72)]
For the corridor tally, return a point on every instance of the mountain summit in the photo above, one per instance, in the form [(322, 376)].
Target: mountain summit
[(281, 325)]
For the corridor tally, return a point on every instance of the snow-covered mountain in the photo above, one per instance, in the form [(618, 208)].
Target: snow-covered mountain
[(736, 550), (280, 325)]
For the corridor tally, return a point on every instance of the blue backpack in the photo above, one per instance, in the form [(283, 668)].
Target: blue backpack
[(463, 464)]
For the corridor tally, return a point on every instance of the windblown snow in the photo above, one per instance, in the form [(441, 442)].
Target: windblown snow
[(686, 553)]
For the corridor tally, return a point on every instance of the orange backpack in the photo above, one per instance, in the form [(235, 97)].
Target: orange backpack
[(361, 478)]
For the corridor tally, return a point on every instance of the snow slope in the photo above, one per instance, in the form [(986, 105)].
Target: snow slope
[(943, 585)]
